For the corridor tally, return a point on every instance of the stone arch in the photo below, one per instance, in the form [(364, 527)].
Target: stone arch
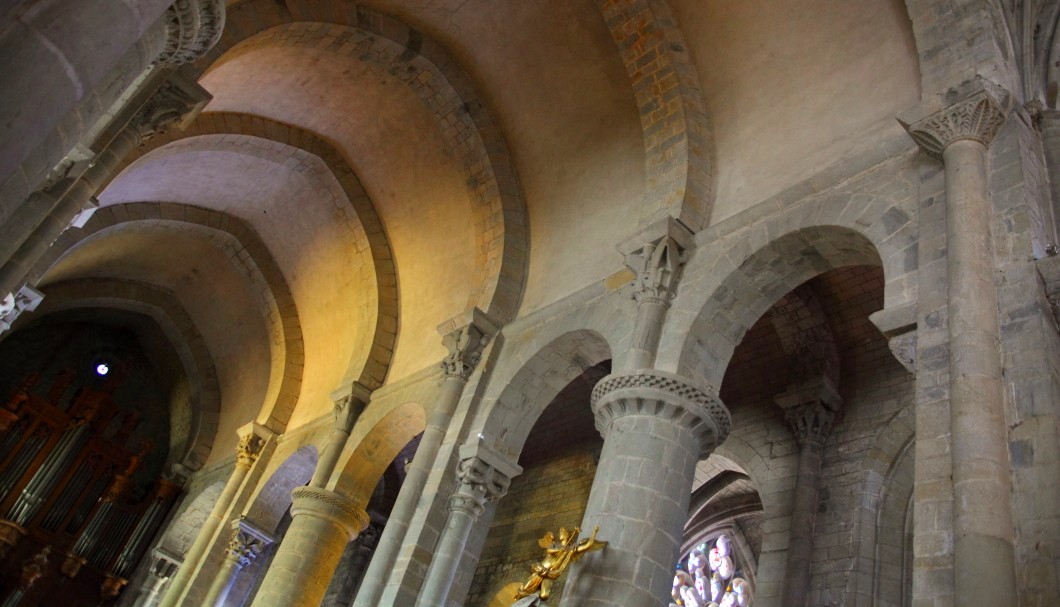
[(274, 495), (753, 284), (363, 224), (358, 476), (246, 251), (472, 135), (673, 115), (163, 307), (887, 489), (531, 384)]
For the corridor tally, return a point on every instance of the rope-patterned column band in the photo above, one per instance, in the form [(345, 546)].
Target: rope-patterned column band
[(330, 506), (661, 394)]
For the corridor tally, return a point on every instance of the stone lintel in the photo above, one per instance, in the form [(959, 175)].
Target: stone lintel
[(974, 109)]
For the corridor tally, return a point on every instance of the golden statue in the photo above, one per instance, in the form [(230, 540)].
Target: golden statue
[(558, 556)]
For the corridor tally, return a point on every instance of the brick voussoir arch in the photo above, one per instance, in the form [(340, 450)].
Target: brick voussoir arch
[(371, 372), (163, 307), (247, 253), (673, 115), (470, 132)]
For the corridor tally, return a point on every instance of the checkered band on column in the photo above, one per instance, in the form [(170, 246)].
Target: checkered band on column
[(328, 505), (664, 395)]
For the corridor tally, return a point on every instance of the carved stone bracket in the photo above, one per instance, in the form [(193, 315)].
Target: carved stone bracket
[(652, 392), (974, 110), (349, 404), (898, 325), (247, 542), (252, 439), (193, 27), (656, 255), (175, 104), (484, 476), (465, 337), (12, 305)]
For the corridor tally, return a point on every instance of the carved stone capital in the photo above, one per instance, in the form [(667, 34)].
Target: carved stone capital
[(898, 325), (656, 256), (484, 476), (252, 439), (12, 305), (193, 27), (665, 395), (329, 506), (349, 406), (247, 542), (975, 111), (465, 337), (810, 410), (175, 104)]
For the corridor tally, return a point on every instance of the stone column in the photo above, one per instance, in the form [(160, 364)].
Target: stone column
[(348, 408), (959, 134), (810, 414), (323, 523), (484, 476), (465, 344), (656, 427), (163, 568), (252, 438), (246, 544), (46, 214), (655, 254)]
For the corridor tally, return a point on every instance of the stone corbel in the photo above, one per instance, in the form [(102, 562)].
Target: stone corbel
[(466, 336), (12, 305), (656, 255), (898, 325)]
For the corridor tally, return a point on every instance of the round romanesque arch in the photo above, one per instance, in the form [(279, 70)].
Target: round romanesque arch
[(472, 136), (246, 251), (358, 476), (164, 309), (257, 135)]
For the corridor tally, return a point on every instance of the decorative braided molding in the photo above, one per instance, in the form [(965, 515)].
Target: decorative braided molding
[(661, 394), (330, 506), (193, 27), (977, 117)]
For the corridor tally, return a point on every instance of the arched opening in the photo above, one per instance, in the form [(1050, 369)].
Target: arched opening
[(84, 448), (559, 461)]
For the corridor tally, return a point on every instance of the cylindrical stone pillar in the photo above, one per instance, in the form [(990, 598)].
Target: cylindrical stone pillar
[(811, 422), (322, 523), (347, 409), (465, 345), (246, 454), (484, 476), (984, 556), (656, 427)]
